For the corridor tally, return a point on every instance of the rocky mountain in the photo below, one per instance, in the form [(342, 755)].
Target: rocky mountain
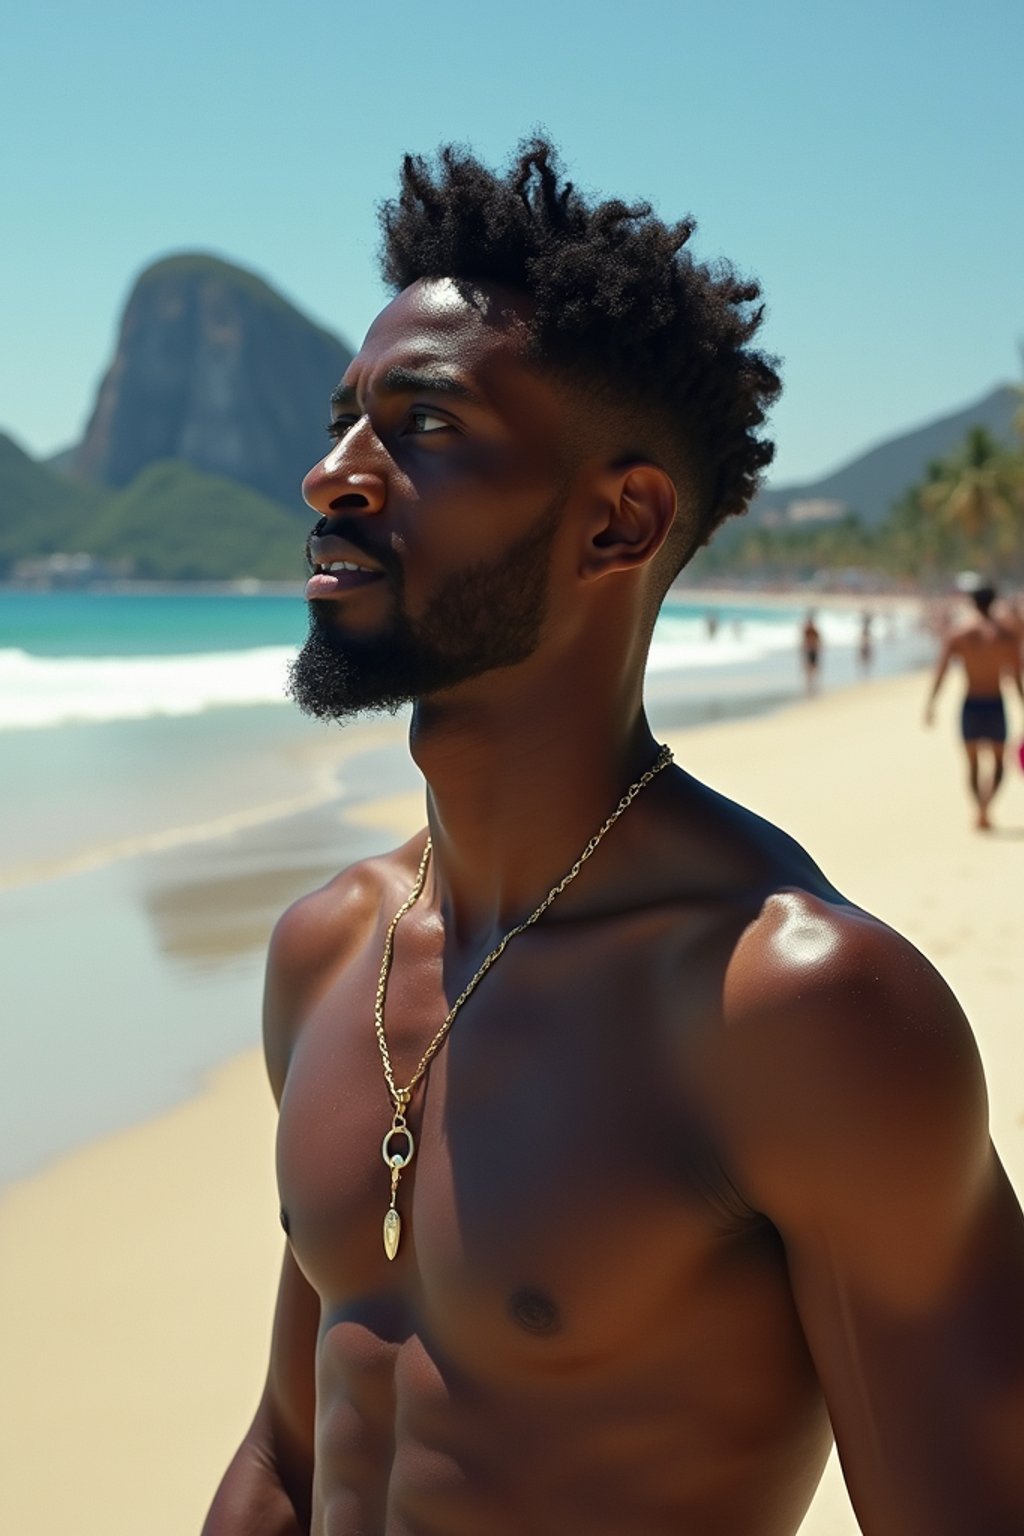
[(211, 411), (871, 482), (215, 369)]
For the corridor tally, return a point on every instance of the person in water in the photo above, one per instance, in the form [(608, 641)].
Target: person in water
[(623, 1161), (988, 646)]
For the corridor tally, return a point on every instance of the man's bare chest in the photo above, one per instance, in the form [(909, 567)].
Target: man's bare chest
[(562, 1163)]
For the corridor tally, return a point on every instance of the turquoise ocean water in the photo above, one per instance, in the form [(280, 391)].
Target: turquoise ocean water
[(162, 802), (68, 657)]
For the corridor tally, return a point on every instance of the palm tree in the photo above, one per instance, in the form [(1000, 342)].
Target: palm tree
[(918, 543), (979, 492)]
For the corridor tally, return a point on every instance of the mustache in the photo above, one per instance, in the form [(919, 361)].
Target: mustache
[(352, 530)]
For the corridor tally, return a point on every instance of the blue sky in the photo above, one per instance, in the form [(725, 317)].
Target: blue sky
[(865, 162)]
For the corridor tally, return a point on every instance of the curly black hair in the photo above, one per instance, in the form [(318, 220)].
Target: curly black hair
[(619, 305)]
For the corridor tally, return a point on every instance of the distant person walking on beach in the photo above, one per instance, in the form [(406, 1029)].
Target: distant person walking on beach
[(990, 651), (622, 1161), (810, 651), (866, 643)]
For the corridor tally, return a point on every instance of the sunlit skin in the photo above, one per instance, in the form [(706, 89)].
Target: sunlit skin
[(704, 1160)]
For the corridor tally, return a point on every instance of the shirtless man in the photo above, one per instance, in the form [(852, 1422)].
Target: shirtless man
[(990, 649), (810, 651), (701, 1171)]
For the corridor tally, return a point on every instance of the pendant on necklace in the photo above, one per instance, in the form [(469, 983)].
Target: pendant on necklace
[(396, 1161), (392, 1232)]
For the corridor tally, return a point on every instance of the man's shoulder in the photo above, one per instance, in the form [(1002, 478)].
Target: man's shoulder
[(337, 912), (807, 943), (816, 967), (965, 633), (980, 632), (318, 935), (835, 1028), (823, 1013), (829, 1049)]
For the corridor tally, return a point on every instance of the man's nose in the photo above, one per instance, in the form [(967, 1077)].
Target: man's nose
[(340, 484)]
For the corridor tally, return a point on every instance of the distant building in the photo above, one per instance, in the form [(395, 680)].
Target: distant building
[(65, 570), (816, 509)]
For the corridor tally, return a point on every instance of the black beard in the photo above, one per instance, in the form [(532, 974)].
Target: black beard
[(487, 616)]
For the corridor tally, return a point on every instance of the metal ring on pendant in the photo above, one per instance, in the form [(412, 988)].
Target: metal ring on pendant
[(395, 1159)]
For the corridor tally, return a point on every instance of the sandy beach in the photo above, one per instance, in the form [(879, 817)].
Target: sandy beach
[(138, 1272)]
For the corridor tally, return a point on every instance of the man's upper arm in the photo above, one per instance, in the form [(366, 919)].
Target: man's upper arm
[(268, 1488), (289, 1397), (950, 648), (857, 1121), (311, 943)]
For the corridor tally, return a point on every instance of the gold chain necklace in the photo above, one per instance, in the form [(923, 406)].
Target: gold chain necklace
[(396, 1161)]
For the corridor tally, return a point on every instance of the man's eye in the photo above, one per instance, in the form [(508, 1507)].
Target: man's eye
[(422, 422), (337, 428)]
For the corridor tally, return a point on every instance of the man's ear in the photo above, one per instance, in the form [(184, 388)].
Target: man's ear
[(633, 511)]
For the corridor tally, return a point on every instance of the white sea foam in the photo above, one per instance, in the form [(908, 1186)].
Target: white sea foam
[(37, 691), (57, 690), (682, 643)]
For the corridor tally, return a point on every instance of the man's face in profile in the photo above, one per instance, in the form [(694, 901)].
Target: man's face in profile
[(487, 616), (445, 485)]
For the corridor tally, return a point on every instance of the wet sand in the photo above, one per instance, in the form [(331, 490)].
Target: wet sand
[(138, 1272)]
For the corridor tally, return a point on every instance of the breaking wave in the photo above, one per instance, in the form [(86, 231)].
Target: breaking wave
[(40, 691)]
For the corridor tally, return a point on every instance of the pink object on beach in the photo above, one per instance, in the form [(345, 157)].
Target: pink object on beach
[(1020, 755)]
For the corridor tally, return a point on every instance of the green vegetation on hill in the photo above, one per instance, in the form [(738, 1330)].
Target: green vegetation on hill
[(41, 511), (172, 523)]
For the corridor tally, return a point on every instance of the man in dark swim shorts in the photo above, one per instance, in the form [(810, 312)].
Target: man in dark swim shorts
[(983, 719), (990, 650)]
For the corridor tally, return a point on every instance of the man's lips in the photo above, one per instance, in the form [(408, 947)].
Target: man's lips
[(332, 581), (337, 567)]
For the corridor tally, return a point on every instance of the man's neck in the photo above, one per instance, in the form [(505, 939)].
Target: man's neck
[(519, 778)]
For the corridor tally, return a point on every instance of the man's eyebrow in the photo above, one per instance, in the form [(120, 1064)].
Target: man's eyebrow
[(410, 381)]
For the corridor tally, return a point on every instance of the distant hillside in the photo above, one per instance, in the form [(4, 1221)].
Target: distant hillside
[(174, 523), (870, 483), (212, 410), (41, 512), (215, 369)]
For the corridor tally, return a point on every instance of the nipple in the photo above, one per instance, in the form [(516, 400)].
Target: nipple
[(535, 1311)]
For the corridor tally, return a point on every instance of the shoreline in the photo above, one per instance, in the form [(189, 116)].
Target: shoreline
[(171, 1225), (179, 915), (684, 700), (323, 763)]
